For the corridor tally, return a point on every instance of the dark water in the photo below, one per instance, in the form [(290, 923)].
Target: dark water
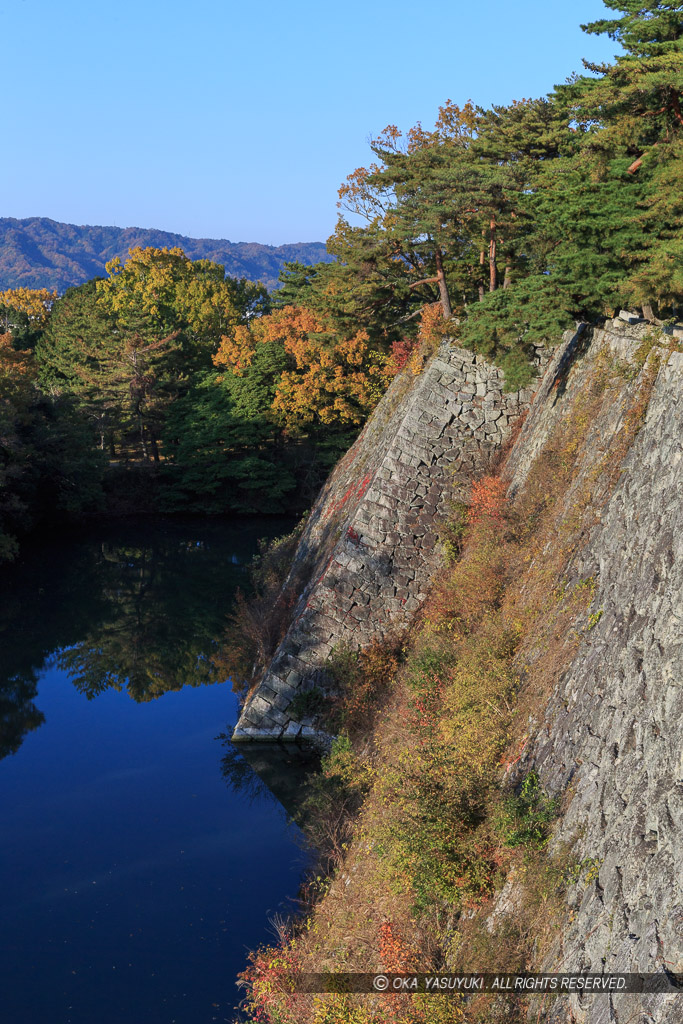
[(138, 859)]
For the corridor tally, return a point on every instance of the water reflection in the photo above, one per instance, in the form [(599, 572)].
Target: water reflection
[(138, 606), (277, 771), (137, 874), (18, 713)]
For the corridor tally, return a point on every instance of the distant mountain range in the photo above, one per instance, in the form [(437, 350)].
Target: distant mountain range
[(42, 253)]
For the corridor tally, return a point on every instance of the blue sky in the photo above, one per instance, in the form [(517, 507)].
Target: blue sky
[(240, 121)]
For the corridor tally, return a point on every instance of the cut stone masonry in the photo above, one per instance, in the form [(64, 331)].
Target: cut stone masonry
[(611, 737), (372, 539)]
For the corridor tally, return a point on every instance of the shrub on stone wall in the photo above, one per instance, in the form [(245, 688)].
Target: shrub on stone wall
[(261, 615)]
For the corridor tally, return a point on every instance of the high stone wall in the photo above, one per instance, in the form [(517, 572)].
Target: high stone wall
[(611, 737), (370, 547)]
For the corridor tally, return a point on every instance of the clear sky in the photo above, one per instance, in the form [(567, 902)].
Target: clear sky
[(232, 120)]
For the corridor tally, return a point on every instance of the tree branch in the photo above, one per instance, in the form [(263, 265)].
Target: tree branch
[(162, 341), (411, 316), (425, 280)]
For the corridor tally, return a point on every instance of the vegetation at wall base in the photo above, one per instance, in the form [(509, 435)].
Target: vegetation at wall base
[(263, 612)]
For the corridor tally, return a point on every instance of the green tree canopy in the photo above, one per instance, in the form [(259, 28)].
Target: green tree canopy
[(129, 345), (225, 448)]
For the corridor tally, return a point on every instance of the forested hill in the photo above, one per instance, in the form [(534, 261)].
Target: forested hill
[(42, 253)]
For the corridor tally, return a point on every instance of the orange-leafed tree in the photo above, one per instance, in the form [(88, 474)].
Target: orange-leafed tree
[(330, 378)]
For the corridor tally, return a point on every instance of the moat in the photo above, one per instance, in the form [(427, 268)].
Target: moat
[(138, 866)]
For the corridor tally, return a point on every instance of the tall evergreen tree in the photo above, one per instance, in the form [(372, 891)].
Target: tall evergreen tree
[(632, 142), (79, 353), (129, 345)]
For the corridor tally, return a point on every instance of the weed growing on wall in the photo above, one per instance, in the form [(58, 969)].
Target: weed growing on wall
[(362, 683), (262, 614)]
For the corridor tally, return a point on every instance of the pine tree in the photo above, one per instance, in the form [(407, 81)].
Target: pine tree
[(79, 354), (632, 141), (422, 197)]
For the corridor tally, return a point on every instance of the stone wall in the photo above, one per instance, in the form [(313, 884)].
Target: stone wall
[(611, 738), (609, 741), (370, 547)]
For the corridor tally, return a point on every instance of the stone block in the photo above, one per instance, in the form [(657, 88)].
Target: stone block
[(408, 460), (474, 418), (281, 702), (259, 706)]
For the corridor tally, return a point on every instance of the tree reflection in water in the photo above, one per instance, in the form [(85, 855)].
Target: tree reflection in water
[(18, 714), (139, 607)]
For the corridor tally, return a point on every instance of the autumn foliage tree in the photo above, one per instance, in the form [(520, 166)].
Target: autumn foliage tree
[(129, 345), (329, 380), (25, 313)]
